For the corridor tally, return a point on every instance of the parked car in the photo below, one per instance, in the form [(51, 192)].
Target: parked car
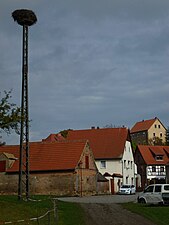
[(155, 194), (127, 189)]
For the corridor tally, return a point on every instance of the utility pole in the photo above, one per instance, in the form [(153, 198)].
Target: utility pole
[(25, 18)]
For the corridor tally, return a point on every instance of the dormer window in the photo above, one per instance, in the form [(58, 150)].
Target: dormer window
[(159, 157)]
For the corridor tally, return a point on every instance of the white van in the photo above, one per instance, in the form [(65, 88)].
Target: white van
[(155, 194)]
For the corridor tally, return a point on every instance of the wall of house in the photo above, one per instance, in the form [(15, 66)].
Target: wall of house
[(156, 174), (167, 174), (128, 165), (86, 179), (158, 129), (86, 183), (141, 168), (111, 166), (140, 137)]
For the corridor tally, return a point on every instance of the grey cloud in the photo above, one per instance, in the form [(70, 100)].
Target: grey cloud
[(90, 62)]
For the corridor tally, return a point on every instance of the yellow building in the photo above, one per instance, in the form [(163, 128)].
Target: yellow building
[(151, 132)]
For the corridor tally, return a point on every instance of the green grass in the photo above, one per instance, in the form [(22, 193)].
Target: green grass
[(12, 210), (70, 214), (157, 214)]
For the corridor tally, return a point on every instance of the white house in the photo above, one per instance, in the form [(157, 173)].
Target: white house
[(112, 152)]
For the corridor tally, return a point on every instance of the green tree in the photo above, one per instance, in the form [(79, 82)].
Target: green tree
[(9, 114), (64, 133), (134, 145), (155, 141)]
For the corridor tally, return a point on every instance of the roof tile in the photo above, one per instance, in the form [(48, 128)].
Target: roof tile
[(49, 156), (105, 143), (143, 125), (147, 152)]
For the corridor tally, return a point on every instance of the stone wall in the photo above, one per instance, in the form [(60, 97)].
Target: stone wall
[(8, 184), (59, 184), (52, 183), (103, 187)]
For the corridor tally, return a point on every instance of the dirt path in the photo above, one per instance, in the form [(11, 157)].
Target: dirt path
[(111, 214)]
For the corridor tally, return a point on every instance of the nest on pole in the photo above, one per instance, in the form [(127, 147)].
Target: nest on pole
[(24, 17)]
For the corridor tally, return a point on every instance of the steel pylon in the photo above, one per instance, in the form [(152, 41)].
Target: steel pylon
[(23, 185)]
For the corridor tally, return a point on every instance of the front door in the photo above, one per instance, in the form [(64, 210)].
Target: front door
[(112, 185)]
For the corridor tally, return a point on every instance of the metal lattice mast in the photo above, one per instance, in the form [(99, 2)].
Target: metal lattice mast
[(24, 18)]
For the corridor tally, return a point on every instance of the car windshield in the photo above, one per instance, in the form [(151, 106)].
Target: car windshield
[(125, 186)]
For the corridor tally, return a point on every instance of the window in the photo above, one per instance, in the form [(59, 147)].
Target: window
[(153, 169), (154, 134), (157, 188), (161, 169), (149, 189), (161, 135), (159, 157), (102, 164), (155, 126), (127, 179), (87, 162), (132, 181), (124, 163), (131, 165), (158, 126)]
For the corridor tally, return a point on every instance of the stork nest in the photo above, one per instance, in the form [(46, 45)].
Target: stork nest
[(24, 17)]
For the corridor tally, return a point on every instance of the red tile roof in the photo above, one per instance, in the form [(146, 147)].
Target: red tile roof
[(54, 137), (49, 156), (157, 150), (106, 143), (143, 125), (148, 151)]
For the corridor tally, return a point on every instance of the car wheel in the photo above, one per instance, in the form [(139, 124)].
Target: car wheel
[(141, 200)]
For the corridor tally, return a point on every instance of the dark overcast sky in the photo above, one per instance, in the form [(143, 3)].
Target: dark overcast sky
[(91, 63)]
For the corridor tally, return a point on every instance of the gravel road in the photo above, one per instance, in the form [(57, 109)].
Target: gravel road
[(102, 199), (105, 210), (111, 214)]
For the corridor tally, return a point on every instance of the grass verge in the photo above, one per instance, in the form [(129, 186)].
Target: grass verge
[(12, 210), (157, 214)]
